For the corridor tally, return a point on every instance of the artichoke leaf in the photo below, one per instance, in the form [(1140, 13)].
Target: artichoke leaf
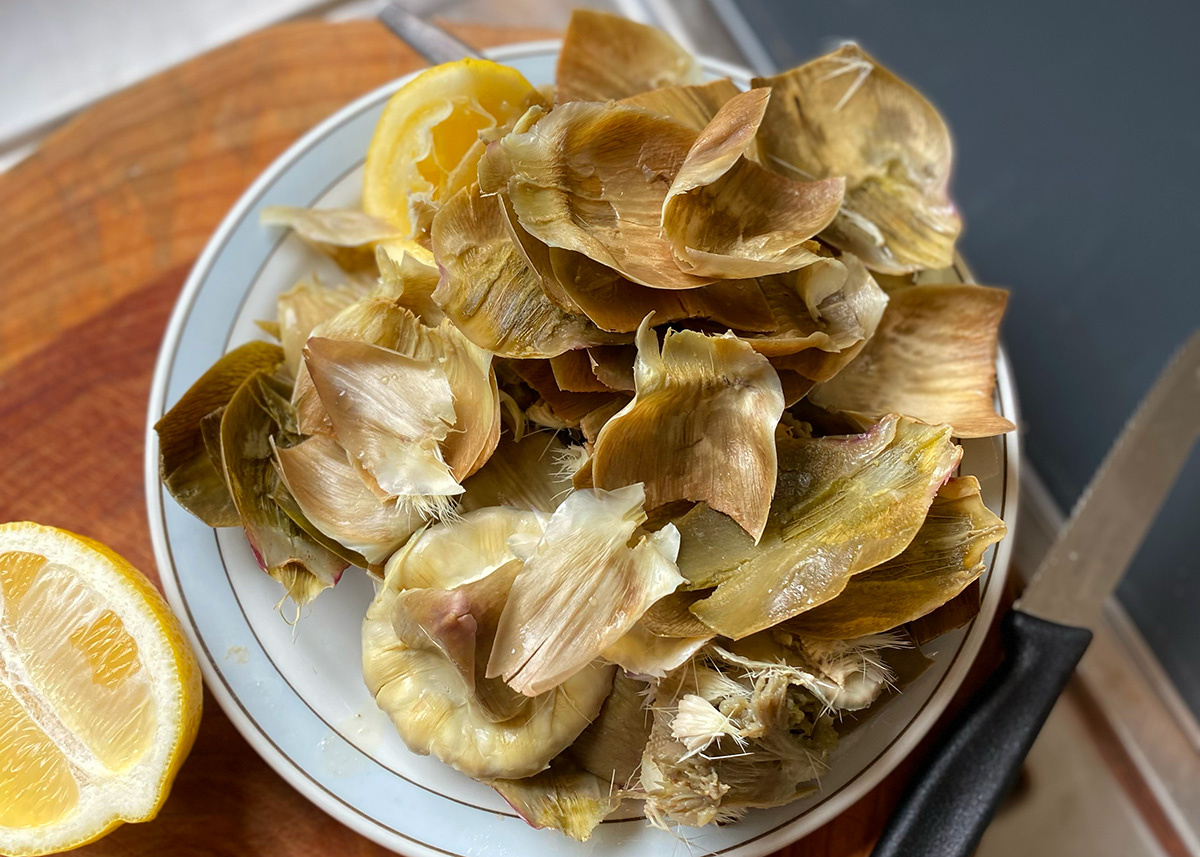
[(611, 747), (592, 178), (476, 400), (249, 426), (339, 500), (391, 412), (955, 613), (614, 303), (303, 307), (564, 797), (581, 588), (944, 557), (825, 313), (569, 407), (694, 105), (671, 615), (194, 476), (489, 292), (842, 505), (845, 115), (573, 373), (409, 276), (583, 286), (701, 426), (932, 358), (428, 694), (283, 497), (346, 235), (398, 346), (613, 366), (526, 474), (379, 321), (640, 652), (727, 216), (606, 57), (374, 319), (593, 423)]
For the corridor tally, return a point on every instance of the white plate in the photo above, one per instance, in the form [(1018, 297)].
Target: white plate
[(297, 694)]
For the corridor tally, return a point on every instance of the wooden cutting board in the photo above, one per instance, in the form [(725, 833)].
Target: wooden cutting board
[(98, 230)]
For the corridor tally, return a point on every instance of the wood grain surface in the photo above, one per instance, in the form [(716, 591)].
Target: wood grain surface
[(98, 230)]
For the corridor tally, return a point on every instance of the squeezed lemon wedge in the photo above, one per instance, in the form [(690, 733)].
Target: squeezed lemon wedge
[(427, 143), (100, 694)]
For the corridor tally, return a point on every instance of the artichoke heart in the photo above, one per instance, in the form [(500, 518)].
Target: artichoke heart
[(727, 216), (727, 738), (488, 290), (424, 649), (609, 57), (592, 178), (845, 115), (257, 419), (189, 469), (933, 358), (943, 559), (582, 587), (842, 505), (701, 426), (473, 546)]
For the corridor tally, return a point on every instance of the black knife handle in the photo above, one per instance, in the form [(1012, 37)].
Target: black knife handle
[(952, 801)]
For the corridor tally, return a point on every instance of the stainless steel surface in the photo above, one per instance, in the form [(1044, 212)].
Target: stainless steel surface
[(429, 40), (1114, 514)]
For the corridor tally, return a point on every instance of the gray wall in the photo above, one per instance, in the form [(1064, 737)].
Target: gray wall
[(1078, 137)]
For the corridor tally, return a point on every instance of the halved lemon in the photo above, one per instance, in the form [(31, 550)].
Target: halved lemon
[(427, 143), (99, 692)]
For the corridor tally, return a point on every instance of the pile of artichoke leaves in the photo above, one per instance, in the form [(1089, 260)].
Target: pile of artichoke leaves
[(649, 432)]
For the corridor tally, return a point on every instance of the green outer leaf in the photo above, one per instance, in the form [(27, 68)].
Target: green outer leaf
[(943, 559), (842, 505), (191, 475), (283, 550)]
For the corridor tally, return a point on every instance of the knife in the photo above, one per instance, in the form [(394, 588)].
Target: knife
[(428, 40), (1046, 633)]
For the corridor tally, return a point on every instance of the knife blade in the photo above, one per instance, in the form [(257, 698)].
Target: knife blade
[(1112, 517), (1045, 635), (428, 40)]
